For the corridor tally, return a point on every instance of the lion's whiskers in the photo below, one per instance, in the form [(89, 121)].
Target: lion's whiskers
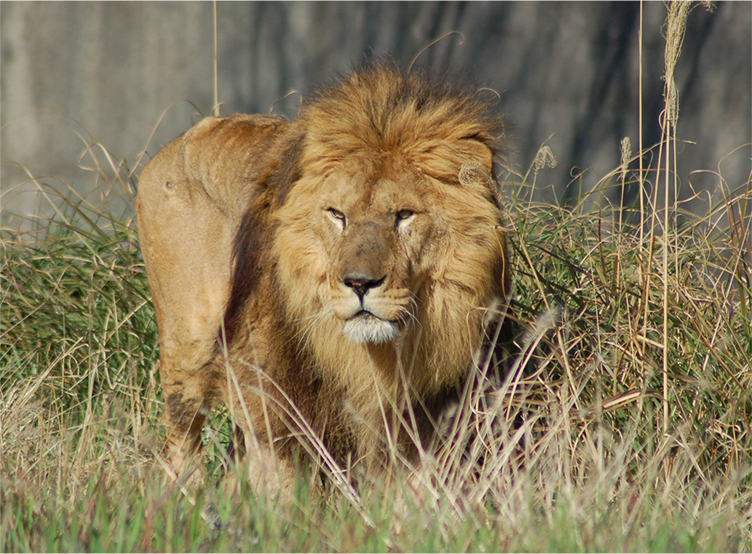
[(307, 324)]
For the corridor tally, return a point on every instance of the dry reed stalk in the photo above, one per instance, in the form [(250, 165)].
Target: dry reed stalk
[(216, 83), (674, 29)]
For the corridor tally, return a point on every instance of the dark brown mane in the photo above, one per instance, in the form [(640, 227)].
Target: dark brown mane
[(255, 234)]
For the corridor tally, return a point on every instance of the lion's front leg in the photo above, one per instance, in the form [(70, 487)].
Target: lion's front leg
[(270, 473), (269, 470), (188, 399)]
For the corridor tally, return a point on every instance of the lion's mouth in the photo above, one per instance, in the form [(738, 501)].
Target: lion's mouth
[(366, 315), (366, 328)]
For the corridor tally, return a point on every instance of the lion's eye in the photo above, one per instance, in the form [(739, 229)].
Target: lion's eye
[(403, 216), (337, 216)]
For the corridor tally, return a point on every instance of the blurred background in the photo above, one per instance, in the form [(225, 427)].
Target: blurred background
[(131, 76)]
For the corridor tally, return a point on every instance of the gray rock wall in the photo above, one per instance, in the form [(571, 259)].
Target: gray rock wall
[(73, 74)]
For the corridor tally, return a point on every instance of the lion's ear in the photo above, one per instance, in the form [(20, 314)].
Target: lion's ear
[(473, 174), (475, 151), (443, 160)]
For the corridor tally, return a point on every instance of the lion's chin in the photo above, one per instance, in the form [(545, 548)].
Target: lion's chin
[(366, 328)]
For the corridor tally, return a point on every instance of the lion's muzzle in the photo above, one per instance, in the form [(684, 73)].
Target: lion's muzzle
[(365, 324), (363, 299), (366, 328)]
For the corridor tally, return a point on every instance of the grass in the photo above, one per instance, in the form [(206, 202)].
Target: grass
[(631, 429), (80, 403)]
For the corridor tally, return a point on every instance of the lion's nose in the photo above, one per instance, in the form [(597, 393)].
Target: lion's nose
[(361, 284)]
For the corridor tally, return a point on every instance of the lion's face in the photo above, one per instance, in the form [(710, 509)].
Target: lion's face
[(376, 229), (374, 244)]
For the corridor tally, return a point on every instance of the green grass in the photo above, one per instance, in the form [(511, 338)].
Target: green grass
[(80, 405)]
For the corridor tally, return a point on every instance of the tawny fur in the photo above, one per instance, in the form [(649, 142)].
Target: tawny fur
[(258, 234)]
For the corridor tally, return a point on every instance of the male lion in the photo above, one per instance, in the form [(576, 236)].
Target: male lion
[(330, 279)]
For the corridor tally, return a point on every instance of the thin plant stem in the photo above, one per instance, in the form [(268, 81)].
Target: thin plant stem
[(216, 80)]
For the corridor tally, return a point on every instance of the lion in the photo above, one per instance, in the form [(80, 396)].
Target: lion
[(330, 279)]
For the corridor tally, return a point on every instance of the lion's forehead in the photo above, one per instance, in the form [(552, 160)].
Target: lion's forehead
[(374, 191)]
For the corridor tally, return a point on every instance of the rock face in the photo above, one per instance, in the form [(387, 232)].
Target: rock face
[(566, 73)]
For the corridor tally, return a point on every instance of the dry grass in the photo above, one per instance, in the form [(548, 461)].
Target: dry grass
[(576, 447), (624, 423)]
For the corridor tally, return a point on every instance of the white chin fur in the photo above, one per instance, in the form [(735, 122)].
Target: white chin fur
[(369, 330)]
